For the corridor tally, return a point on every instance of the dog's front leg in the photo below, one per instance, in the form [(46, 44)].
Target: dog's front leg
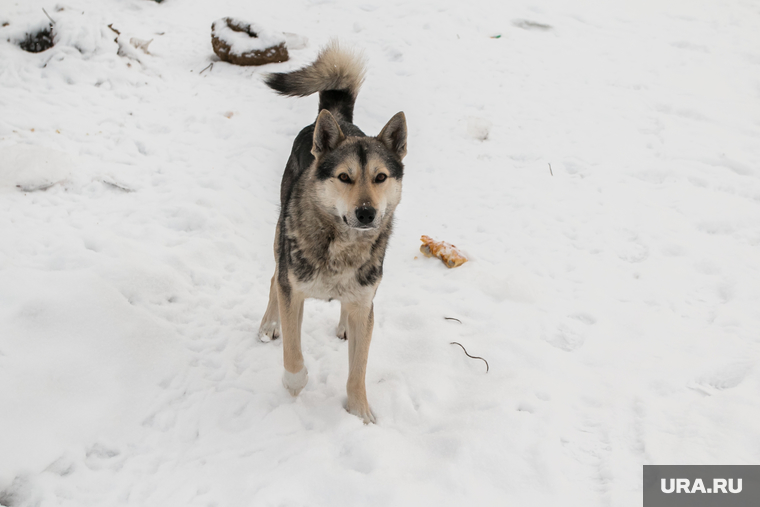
[(270, 323), (361, 320), (342, 330), (290, 303)]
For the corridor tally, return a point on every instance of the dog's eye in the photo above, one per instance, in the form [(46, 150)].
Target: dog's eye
[(380, 178), (344, 178)]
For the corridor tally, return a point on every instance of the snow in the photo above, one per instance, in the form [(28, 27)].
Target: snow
[(31, 168), (598, 162)]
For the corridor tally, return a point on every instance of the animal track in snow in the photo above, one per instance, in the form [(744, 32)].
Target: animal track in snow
[(727, 377), (570, 333)]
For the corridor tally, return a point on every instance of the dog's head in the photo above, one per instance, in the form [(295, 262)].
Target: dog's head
[(359, 178)]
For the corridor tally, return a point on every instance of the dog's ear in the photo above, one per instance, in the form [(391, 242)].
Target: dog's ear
[(327, 134), (393, 135)]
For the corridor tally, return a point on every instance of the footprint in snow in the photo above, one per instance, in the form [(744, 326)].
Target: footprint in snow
[(570, 333), (727, 377)]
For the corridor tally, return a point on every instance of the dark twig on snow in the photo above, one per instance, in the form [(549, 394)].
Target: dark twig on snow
[(117, 186), (550, 170), (468, 355), (114, 29), (452, 318), (209, 67), (48, 15), (530, 25)]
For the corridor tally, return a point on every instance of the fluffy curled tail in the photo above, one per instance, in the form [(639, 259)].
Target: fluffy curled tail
[(337, 74)]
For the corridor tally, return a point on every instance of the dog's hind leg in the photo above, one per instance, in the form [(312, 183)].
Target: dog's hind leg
[(361, 320), (295, 376), (270, 323), (342, 329)]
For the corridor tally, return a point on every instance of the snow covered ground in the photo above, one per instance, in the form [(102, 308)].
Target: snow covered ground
[(599, 161)]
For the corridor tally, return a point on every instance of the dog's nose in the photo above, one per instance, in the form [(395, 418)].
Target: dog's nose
[(365, 214)]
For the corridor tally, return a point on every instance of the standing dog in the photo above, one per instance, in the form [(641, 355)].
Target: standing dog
[(338, 194)]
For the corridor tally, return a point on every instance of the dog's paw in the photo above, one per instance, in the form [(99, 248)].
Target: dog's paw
[(361, 410), (340, 332), (295, 382), (269, 331)]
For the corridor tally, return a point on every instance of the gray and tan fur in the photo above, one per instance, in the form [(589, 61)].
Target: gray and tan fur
[(338, 194)]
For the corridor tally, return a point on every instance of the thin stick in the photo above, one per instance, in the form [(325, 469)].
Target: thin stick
[(209, 67), (452, 318), (48, 15), (550, 170), (468, 355)]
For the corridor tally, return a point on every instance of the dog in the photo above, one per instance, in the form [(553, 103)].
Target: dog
[(338, 194)]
